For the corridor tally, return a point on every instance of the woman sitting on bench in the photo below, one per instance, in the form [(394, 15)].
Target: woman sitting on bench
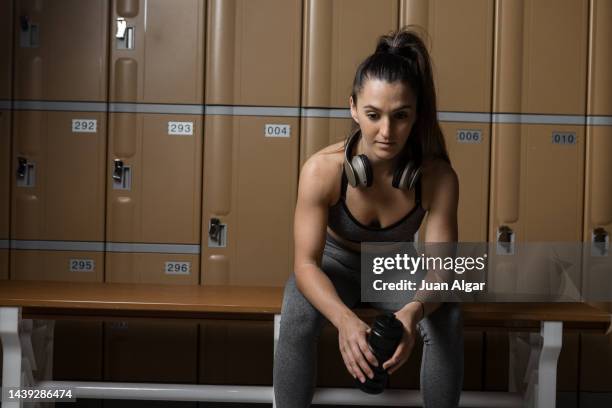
[(377, 186)]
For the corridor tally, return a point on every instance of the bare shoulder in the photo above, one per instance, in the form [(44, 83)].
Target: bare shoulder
[(319, 176), (439, 182)]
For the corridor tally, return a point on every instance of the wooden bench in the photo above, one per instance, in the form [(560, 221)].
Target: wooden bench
[(21, 300)]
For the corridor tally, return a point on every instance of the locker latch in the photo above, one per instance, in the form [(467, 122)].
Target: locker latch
[(124, 35), (28, 37), (122, 176), (505, 240), (217, 234), (25, 173), (600, 242)]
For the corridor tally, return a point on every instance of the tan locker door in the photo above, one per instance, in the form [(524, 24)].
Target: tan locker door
[(250, 184), (150, 351), (597, 349), (156, 199), (162, 64), (320, 132), (58, 201), (338, 35), (61, 50), (461, 51), (253, 52)]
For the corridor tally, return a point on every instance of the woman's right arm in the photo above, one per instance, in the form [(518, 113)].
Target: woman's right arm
[(315, 192)]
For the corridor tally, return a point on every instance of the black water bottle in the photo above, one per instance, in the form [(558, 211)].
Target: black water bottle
[(383, 339)]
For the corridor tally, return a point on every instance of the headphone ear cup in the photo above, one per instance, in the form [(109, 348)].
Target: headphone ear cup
[(406, 177), (363, 170)]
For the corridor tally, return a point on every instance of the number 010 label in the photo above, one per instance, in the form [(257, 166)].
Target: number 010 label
[(277, 131), (84, 125), (177, 268), (82, 265)]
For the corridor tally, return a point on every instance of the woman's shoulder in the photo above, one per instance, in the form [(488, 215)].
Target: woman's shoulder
[(321, 172), (438, 178)]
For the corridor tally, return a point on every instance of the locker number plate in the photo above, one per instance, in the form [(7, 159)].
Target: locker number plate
[(565, 138), (82, 265), (180, 128), (277, 130), (177, 268), (84, 125), (469, 136)]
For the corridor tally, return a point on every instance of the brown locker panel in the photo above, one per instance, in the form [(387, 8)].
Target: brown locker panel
[(61, 50), (162, 62), (250, 184), (236, 352), (253, 52), (58, 195), (6, 49), (537, 181), (77, 351), (600, 59), (540, 57), (595, 362), (468, 146), (461, 49), (135, 267), (154, 184), (5, 174), (338, 35), (318, 133), (150, 351), (57, 265)]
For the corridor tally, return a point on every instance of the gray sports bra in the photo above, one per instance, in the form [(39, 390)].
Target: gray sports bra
[(342, 222)]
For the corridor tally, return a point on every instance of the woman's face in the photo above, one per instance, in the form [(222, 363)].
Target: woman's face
[(385, 113)]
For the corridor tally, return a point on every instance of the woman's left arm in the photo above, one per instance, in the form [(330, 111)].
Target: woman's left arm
[(441, 191)]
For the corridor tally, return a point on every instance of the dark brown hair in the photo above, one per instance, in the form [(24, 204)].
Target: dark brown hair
[(402, 56)]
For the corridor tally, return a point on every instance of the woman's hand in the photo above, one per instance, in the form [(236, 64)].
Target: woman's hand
[(409, 316), (352, 339)]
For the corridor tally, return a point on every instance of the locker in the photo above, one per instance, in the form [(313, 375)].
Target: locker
[(253, 52), (597, 266), (154, 187), (61, 50), (320, 132), (157, 51), (540, 59), (58, 195), (160, 351), (6, 67), (250, 184), (461, 50), (236, 352), (338, 35)]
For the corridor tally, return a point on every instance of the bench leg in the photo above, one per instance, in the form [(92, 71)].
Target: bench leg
[(11, 350), (277, 319), (552, 337)]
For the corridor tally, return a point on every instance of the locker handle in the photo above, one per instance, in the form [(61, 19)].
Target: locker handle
[(600, 235), (600, 242), (24, 22), (22, 167), (214, 232), (118, 170), (121, 28), (505, 240)]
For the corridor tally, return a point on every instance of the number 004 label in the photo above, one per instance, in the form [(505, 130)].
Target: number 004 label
[(277, 130)]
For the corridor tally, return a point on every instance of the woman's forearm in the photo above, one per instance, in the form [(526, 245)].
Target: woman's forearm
[(320, 291)]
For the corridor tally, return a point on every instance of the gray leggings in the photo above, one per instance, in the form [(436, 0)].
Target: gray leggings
[(301, 323)]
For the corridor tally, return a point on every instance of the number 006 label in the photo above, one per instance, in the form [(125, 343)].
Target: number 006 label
[(469, 136)]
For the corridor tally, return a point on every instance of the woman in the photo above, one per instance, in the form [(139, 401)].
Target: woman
[(399, 170)]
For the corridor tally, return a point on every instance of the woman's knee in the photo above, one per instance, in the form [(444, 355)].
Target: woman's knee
[(299, 317), (444, 324)]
